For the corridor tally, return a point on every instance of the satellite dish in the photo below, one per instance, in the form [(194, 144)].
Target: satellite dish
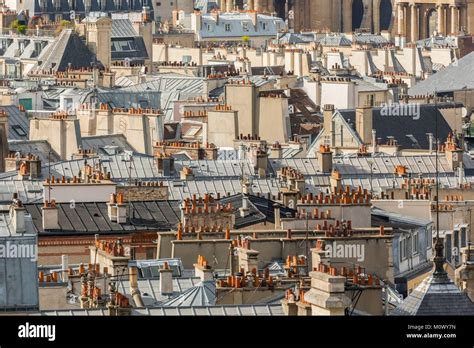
[(463, 112)]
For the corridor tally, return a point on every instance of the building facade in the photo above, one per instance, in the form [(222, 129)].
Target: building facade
[(413, 20)]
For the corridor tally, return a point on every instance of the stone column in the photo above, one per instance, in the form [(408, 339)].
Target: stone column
[(405, 20), (441, 20), (258, 5), (400, 19), (376, 16), (271, 6), (229, 6), (414, 22), (454, 19), (250, 5), (347, 16)]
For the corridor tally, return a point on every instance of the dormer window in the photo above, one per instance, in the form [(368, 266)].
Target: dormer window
[(245, 26), (227, 27)]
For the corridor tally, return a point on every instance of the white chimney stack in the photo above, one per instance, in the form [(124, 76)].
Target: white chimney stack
[(64, 267), (166, 280), (50, 216), (17, 215)]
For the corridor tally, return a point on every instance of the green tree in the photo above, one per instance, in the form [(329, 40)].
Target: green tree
[(21, 28)]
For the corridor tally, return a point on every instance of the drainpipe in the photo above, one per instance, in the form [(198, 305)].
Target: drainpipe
[(133, 278)]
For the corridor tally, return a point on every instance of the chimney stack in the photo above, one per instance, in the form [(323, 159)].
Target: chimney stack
[(364, 123), (166, 280), (327, 294), (50, 216), (133, 279), (464, 275), (276, 209), (454, 154), (117, 209), (328, 112), (17, 215), (248, 259), (203, 270), (65, 267), (325, 158)]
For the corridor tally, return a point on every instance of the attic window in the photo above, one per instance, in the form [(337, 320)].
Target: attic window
[(19, 130)]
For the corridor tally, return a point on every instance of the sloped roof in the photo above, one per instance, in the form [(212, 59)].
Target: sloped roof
[(103, 143), (203, 294), (433, 298), (40, 148), (226, 310), (437, 294), (401, 126), (123, 27), (456, 76), (67, 49), (18, 123), (91, 218), (260, 209)]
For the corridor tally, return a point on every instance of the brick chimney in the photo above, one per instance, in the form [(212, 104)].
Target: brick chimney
[(50, 216), (276, 151), (454, 154), (203, 270), (186, 174), (325, 158), (336, 181), (117, 209), (166, 280)]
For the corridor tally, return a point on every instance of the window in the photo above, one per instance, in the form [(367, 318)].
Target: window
[(227, 27), (150, 253), (370, 99), (245, 26), (456, 246), (27, 103), (264, 26), (68, 103), (429, 238), (415, 243), (402, 249), (463, 237), (19, 130)]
